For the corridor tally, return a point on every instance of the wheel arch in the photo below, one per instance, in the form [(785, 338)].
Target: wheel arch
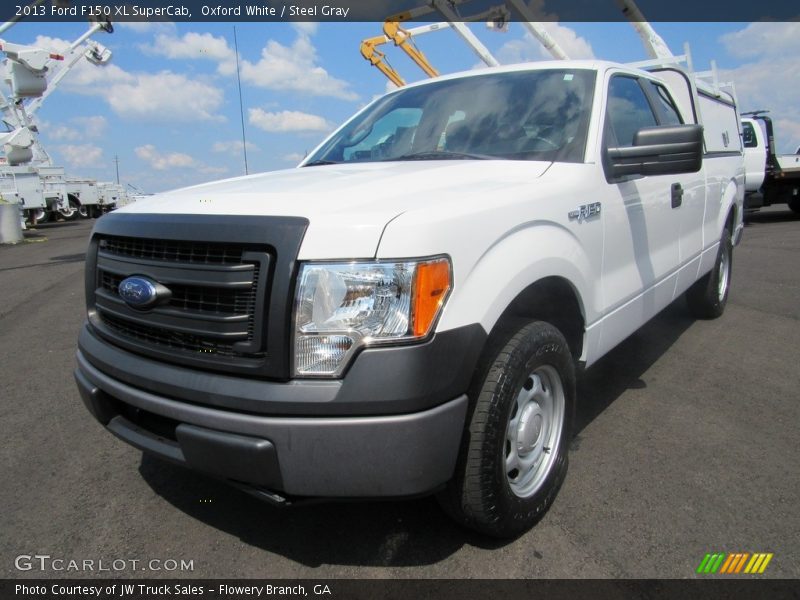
[(732, 203), (553, 299)]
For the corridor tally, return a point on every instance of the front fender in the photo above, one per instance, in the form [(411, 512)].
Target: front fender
[(484, 289)]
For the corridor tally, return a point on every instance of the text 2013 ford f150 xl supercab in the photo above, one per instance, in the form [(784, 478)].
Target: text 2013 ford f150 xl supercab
[(404, 313)]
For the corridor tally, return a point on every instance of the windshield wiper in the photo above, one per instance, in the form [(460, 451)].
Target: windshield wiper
[(441, 155), (321, 162)]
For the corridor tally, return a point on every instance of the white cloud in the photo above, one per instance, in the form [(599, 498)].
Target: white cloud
[(165, 96), (306, 27), (763, 39), (152, 96), (90, 79), (194, 45), (162, 162), (174, 162), (91, 127), (771, 84), (60, 133), (81, 155), (287, 120), (233, 146), (771, 80), (50, 43), (294, 157), (82, 128), (294, 68), (528, 48)]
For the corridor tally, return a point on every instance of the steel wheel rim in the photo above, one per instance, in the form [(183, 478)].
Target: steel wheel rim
[(724, 276), (533, 432)]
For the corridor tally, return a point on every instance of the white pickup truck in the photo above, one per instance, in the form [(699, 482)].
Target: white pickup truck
[(404, 313), (770, 178)]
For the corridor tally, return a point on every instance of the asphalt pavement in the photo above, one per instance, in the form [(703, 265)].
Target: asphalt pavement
[(687, 444)]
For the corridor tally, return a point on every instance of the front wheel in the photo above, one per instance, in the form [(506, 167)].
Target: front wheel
[(708, 295), (514, 454)]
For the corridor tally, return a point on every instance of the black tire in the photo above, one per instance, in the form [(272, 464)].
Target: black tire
[(708, 295), (794, 205), (483, 495)]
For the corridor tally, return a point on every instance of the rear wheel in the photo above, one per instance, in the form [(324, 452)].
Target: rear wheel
[(708, 296), (794, 204), (38, 215), (72, 211), (514, 454)]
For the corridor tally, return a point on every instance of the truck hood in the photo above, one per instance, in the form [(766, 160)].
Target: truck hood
[(349, 205)]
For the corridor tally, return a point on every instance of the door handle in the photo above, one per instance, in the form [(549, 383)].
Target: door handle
[(677, 195)]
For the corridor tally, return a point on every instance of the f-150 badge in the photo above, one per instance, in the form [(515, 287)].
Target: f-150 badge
[(585, 211)]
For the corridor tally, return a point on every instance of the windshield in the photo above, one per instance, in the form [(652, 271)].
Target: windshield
[(525, 115)]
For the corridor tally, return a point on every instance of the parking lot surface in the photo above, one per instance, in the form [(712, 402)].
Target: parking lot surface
[(687, 444)]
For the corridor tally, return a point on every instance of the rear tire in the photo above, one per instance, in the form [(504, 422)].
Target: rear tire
[(71, 213), (40, 215), (37, 216), (794, 205), (708, 295), (514, 452)]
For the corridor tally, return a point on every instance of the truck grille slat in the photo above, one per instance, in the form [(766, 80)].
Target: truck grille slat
[(174, 251)]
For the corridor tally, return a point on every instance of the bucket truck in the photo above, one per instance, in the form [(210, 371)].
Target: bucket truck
[(29, 175)]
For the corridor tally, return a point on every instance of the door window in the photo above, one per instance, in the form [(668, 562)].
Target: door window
[(669, 114), (628, 109), (749, 135)]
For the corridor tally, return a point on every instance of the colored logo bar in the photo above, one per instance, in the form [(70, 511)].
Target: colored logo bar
[(733, 563)]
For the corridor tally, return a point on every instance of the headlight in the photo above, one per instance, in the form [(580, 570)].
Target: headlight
[(341, 307)]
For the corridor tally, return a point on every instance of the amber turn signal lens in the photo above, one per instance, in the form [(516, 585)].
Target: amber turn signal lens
[(432, 285)]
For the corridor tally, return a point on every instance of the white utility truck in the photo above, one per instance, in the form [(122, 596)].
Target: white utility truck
[(404, 313), (771, 178), (31, 74)]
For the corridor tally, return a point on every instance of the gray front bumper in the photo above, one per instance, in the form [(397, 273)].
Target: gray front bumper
[(374, 456)]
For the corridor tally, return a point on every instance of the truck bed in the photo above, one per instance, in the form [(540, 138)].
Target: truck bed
[(790, 165)]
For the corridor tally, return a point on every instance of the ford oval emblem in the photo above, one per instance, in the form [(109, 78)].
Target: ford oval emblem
[(139, 292)]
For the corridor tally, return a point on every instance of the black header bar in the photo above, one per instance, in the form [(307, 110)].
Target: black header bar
[(375, 10)]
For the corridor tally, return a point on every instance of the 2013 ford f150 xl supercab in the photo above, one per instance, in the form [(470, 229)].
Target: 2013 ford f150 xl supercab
[(404, 312)]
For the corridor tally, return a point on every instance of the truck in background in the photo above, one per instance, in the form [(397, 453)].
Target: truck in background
[(771, 178), (31, 74)]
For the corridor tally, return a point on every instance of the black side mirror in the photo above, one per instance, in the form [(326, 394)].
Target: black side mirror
[(665, 150)]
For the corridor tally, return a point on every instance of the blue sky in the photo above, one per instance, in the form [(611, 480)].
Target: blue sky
[(167, 105)]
